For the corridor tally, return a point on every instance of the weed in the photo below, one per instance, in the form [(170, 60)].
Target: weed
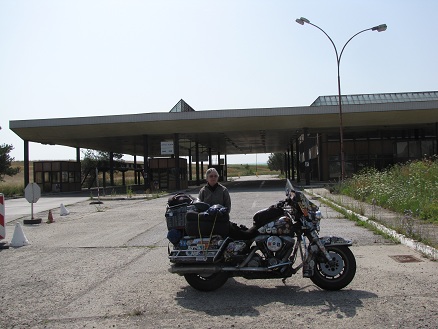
[(413, 185), (11, 189), (136, 312), (129, 192), (363, 223)]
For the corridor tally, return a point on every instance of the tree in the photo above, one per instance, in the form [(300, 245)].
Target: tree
[(5, 162), (93, 159), (276, 162), (96, 159)]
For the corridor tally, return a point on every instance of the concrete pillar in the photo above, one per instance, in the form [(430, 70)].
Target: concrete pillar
[(147, 178), (111, 164), (26, 163), (297, 145), (198, 182), (177, 164), (190, 164), (306, 156)]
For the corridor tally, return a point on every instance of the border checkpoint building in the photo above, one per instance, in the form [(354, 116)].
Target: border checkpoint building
[(378, 130)]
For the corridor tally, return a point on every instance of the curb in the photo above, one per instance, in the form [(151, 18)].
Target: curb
[(428, 251)]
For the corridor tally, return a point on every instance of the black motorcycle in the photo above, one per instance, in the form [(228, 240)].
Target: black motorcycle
[(207, 248)]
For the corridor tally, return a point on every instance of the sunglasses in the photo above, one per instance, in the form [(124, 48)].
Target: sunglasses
[(212, 176)]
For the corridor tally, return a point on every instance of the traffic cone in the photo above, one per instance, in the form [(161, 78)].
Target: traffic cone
[(64, 211), (19, 239), (50, 218)]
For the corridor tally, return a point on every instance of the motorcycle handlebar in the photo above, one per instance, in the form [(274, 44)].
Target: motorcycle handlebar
[(283, 203)]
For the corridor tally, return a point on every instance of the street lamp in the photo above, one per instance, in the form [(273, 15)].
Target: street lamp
[(378, 28)]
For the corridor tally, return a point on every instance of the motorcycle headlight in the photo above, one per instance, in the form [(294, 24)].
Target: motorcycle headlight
[(318, 215)]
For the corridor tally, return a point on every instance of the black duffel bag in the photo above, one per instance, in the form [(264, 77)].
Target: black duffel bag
[(207, 223)]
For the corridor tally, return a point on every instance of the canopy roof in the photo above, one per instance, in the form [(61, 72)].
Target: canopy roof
[(234, 131)]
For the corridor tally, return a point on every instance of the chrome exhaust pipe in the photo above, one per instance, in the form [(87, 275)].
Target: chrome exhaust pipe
[(205, 269)]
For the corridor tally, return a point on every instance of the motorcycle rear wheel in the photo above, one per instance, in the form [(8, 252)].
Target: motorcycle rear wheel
[(207, 282), (340, 274)]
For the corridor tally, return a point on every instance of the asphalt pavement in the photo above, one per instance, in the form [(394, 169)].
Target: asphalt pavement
[(106, 266), (20, 208)]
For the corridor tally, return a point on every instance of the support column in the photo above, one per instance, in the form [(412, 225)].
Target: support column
[(287, 164), (190, 163), (146, 176), (78, 154), (111, 164), (436, 137), (226, 168), (306, 156), (297, 146), (177, 164), (210, 160), (26, 163), (135, 170), (292, 159), (219, 163), (198, 182)]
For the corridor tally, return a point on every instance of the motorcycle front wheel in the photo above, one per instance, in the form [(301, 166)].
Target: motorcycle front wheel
[(337, 275), (206, 282)]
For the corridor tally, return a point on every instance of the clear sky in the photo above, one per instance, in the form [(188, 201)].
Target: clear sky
[(78, 58)]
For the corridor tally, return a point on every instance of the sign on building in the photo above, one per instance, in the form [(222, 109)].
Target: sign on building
[(167, 148)]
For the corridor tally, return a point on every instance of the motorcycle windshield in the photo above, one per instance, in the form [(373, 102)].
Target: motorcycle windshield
[(300, 198), (289, 189)]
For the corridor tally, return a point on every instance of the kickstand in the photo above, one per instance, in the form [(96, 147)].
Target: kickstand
[(284, 281)]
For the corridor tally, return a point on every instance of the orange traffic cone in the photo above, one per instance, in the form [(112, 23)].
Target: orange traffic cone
[(50, 218)]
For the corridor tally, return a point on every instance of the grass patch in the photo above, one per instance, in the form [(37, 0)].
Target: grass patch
[(412, 187), (237, 170), (363, 223)]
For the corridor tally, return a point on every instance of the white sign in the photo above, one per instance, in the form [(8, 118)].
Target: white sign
[(32, 192), (167, 148)]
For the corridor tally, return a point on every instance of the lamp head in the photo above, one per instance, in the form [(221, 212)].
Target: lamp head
[(302, 20), (379, 28)]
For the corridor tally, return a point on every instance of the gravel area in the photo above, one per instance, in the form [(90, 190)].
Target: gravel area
[(106, 267)]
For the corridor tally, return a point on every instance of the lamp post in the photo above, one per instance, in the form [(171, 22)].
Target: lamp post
[(378, 28)]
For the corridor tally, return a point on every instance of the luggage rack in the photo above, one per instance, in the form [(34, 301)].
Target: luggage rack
[(197, 253)]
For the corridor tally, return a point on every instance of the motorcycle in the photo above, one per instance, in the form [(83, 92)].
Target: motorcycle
[(207, 248)]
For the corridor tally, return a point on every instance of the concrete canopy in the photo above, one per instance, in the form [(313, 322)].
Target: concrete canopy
[(232, 131)]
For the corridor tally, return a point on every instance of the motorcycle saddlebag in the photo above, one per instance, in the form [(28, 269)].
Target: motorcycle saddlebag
[(205, 224), (264, 216)]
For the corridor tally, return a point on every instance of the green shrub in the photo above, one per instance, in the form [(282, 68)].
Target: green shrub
[(11, 190)]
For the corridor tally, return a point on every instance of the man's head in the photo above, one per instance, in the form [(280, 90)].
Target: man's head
[(212, 176)]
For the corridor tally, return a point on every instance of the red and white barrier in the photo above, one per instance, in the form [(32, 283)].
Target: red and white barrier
[(2, 217)]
